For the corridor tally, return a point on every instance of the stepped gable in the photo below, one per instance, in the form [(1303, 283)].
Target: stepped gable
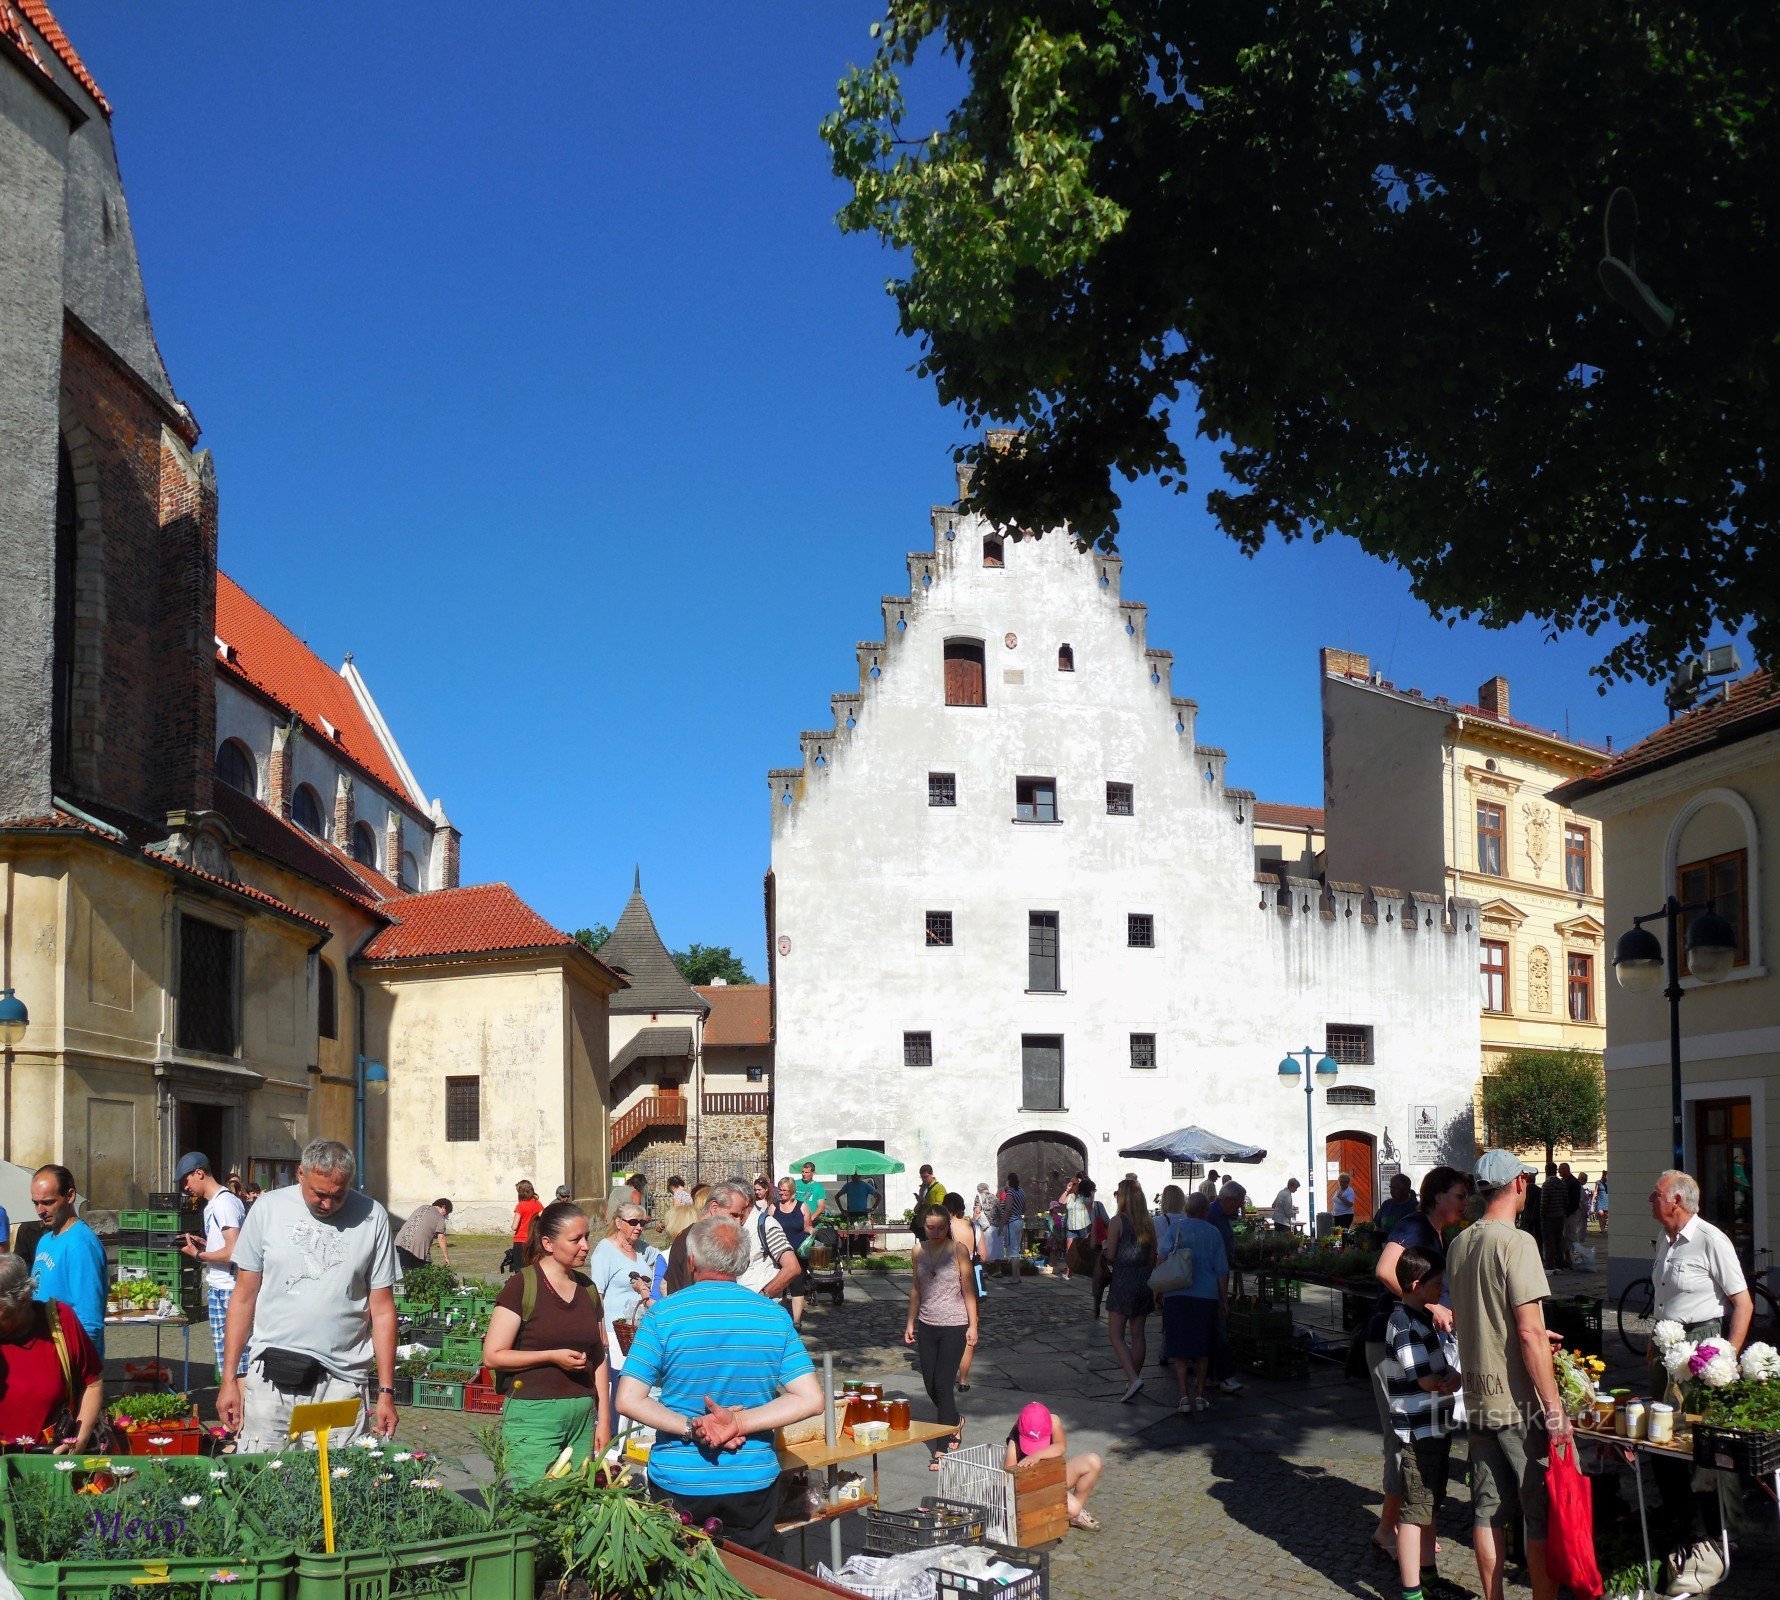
[(636, 950)]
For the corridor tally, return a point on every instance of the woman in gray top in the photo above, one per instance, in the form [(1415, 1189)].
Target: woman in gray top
[(942, 1321)]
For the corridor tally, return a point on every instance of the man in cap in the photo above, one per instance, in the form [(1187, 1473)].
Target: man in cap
[(1511, 1395), (224, 1212)]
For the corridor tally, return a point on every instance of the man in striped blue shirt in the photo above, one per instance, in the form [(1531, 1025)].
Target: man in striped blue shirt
[(731, 1369)]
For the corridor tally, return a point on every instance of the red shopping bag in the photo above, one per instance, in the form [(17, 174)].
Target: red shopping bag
[(1570, 1536)]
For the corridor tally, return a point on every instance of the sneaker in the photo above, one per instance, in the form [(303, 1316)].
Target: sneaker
[(1695, 1569), (1184, 1409), (1230, 1386), (1132, 1391), (1202, 1404)]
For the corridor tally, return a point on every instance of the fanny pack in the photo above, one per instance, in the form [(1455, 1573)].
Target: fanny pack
[(290, 1371)]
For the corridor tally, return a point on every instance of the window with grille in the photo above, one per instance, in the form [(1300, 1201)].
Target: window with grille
[(939, 927), (463, 1110), (917, 1049), (1041, 1072), (305, 811), (1723, 883), (1576, 858), (1491, 823), (757, 1074), (1580, 988), (1140, 930), (327, 1002), (206, 986), (1043, 964), (1143, 1050), (1349, 1094), (964, 673), (942, 788), (1121, 799), (1492, 966), (1350, 1043), (1035, 799)]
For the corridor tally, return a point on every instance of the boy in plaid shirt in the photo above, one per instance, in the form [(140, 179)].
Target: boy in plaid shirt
[(1420, 1381)]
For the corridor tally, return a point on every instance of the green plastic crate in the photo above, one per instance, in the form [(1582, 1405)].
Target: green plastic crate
[(476, 1566), (153, 1262), (1273, 1358), (461, 1350), (1261, 1321), (431, 1394), (149, 1221)]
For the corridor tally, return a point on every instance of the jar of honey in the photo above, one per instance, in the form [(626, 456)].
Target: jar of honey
[(872, 1391), (899, 1416)]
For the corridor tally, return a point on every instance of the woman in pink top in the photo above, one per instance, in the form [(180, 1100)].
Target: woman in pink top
[(942, 1321)]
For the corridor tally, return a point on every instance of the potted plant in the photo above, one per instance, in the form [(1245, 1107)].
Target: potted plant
[(1734, 1399), (158, 1424)]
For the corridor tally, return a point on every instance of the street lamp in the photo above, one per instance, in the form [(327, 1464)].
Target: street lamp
[(1326, 1069), (1640, 963), (372, 1075), (14, 1018)]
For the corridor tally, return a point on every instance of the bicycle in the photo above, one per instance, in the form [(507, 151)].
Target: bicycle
[(1637, 1308)]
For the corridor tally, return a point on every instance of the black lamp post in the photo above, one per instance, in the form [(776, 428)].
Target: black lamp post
[(1641, 960)]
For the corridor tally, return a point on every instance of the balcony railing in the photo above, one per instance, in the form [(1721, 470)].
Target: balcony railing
[(735, 1105), (652, 1111)]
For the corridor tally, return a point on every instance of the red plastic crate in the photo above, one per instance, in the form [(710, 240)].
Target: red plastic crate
[(483, 1397), (182, 1438)]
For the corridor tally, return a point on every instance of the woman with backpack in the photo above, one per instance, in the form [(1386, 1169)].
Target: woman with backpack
[(546, 1346)]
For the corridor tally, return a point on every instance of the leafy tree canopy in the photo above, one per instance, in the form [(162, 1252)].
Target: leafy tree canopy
[(706, 963), (1545, 1097), (1366, 239), (593, 937)]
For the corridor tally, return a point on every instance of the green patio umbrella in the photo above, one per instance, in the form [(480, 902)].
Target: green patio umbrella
[(848, 1162)]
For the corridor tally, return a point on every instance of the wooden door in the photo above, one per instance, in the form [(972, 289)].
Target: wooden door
[(1724, 1158), (1354, 1154), (964, 673)]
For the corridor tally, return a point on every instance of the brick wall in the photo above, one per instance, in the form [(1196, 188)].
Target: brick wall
[(392, 847), (343, 813), (279, 781)]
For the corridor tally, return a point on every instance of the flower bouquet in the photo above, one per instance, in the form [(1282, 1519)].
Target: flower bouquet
[(1577, 1376), (1735, 1398)]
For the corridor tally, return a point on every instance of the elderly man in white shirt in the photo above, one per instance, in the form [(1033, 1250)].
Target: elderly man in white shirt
[(1285, 1206)]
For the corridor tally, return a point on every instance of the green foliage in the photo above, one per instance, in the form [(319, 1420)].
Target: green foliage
[(151, 1407), (1545, 1097), (1742, 1405), (429, 1285), (706, 963), (592, 938), (1363, 242), (53, 1524)]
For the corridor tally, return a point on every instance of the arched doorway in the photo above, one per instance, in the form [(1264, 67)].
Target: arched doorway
[(1357, 1155), (1045, 1162)]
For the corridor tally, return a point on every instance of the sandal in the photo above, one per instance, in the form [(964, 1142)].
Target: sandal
[(1085, 1519)]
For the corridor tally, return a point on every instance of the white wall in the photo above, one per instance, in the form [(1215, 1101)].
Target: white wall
[(859, 856)]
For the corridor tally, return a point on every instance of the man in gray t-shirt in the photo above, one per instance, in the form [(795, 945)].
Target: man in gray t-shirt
[(314, 1307)]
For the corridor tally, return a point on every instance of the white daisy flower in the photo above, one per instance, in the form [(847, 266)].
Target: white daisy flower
[(342, 1472), (274, 1465), (64, 1466), (403, 1455), (190, 1500), (218, 1476)]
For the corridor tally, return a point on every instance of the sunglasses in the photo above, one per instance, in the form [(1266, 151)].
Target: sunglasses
[(635, 1222)]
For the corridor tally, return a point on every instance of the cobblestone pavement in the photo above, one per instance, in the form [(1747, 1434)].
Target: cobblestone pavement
[(1274, 1491)]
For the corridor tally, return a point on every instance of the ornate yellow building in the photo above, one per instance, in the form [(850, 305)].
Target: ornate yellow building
[(1425, 790)]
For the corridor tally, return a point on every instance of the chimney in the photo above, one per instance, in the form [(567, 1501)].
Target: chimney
[(1345, 664), (1493, 697)]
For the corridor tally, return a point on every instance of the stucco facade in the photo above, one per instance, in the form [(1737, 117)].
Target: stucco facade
[(890, 1027)]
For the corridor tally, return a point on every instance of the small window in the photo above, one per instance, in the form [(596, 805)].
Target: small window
[(942, 788), (1491, 821), (994, 552), (939, 927), (965, 673), (1066, 658), (1121, 800), (1143, 1051), (410, 872), (463, 1110), (1723, 883), (327, 1002), (1035, 799), (1041, 1072), (1349, 1094), (1042, 959), (207, 957), (917, 1049), (364, 845), (757, 1074), (1492, 966), (1577, 875), (1350, 1043), (235, 766), (1140, 930), (305, 811), (1580, 988)]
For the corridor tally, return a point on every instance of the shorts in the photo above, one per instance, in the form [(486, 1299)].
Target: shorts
[(1508, 1474), (1189, 1327), (1376, 1356), (1422, 1466)]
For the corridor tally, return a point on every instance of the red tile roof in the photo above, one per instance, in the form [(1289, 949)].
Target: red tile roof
[(274, 660), (1283, 816), (267, 834), (41, 19), (741, 1013), (1740, 711), (482, 919)]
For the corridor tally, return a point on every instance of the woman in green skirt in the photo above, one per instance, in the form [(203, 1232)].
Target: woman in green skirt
[(548, 1331)]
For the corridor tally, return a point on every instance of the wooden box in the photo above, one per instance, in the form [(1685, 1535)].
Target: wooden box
[(1041, 1509)]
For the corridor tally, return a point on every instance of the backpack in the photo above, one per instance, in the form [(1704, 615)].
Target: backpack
[(529, 1278)]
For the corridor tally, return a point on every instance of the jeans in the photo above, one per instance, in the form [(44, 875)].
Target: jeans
[(939, 1349)]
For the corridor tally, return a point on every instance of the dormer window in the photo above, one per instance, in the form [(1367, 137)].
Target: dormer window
[(1066, 658), (993, 552), (305, 811), (364, 845), (965, 673)]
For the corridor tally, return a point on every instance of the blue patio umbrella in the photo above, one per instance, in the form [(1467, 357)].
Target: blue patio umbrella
[(1194, 1144)]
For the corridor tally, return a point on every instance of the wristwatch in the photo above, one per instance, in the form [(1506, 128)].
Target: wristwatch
[(384, 1388)]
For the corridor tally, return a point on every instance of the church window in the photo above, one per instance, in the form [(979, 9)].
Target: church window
[(305, 810), (463, 1110), (942, 788), (1066, 658), (994, 553), (1140, 930), (327, 1002), (1350, 1043), (410, 879), (207, 991), (1041, 1072), (964, 673), (1121, 799), (1035, 800), (1490, 827), (1043, 953), (364, 844), (939, 927), (917, 1049), (1143, 1051), (235, 767)]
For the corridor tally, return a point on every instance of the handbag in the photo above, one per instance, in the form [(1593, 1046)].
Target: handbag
[(1175, 1270), (290, 1371), (1570, 1541), (107, 1438)]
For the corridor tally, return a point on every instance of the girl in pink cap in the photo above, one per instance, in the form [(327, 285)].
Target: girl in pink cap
[(1037, 1435)]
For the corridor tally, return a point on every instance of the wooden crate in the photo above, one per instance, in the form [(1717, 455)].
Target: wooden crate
[(1041, 1509)]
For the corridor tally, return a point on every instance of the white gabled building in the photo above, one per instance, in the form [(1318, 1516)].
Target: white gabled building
[(1014, 917)]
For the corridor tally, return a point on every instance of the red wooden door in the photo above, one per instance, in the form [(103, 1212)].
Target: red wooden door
[(964, 673), (1352, 1153)]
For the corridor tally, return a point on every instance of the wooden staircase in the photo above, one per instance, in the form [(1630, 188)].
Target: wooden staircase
[(651, 1112)]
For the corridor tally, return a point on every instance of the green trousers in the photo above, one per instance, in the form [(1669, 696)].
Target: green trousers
[(535, 1432)]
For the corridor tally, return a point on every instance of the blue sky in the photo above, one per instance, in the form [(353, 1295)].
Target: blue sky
[(539, 377)]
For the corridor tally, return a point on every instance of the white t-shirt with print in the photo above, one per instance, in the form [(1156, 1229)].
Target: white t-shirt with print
[(224, 1210)]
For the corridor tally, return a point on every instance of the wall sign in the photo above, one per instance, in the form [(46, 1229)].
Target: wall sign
[(1424, 1133)]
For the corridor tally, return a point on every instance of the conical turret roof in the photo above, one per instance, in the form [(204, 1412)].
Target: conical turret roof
[(636, 950)]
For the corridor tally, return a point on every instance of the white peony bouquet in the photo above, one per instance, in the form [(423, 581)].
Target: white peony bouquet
[(1666, 1333), (1714, 1364), (1760, 1363), (1677, 1359)]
